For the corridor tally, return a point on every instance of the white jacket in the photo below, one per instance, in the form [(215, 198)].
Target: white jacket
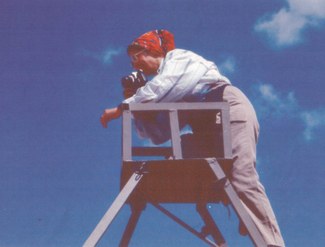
[(182, 76)]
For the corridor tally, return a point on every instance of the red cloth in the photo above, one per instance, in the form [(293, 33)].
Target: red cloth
[(157, 42)]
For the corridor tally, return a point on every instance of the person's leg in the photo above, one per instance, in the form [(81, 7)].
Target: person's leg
[(246, 181)]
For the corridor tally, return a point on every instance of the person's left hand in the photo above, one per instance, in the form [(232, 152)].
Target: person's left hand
[(109, 114)]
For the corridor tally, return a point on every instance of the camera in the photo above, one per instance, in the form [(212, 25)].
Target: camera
[(134, 81)]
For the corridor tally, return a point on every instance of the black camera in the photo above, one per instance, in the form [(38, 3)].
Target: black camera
[(134, 81)]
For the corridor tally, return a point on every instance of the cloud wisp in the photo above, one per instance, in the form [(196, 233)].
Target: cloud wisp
[(108, 54), (105, 57), (313, 120), (270, 103), (228, 65), (274, 104), (286, 27)]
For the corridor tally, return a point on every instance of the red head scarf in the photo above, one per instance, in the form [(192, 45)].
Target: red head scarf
[(157, 42)]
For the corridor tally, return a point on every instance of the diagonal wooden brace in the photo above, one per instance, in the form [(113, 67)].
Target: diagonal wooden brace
[(114, 209), (237, 204)]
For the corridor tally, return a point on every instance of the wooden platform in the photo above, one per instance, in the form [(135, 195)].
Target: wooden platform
[(175, 181)]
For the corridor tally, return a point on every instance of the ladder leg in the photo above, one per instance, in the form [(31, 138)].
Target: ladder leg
[(133, 220), (210, 226), (109, 216), (253, 232)]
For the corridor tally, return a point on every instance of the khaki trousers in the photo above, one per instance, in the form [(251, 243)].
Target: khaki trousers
[(243, 176)]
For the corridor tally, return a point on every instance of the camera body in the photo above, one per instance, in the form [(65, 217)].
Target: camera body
[(134, 81)]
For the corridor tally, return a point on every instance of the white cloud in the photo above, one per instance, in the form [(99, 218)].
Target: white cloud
[(270, 103), (106, 56), (312, 8), (286, 27), (267, 92), (312, 120), (228, 66)]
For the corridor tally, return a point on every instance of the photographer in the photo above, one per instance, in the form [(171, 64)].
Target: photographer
[(183, 76)]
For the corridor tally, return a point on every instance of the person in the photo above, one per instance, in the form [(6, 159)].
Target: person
[(183, 76)]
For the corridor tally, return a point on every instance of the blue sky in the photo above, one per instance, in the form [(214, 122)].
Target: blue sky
[(60, 66)]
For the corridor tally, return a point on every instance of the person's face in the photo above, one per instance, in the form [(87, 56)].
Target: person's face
[(142, 60)]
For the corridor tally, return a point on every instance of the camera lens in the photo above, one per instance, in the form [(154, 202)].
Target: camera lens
[(135, 80)]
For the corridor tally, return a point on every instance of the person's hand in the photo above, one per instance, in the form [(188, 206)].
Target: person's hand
[(110, 114), (128, 92)]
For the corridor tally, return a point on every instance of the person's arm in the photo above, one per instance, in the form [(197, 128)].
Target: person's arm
[(110, 114), (179, 74)]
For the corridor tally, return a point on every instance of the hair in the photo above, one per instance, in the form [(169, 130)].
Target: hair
[(134, 48)]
